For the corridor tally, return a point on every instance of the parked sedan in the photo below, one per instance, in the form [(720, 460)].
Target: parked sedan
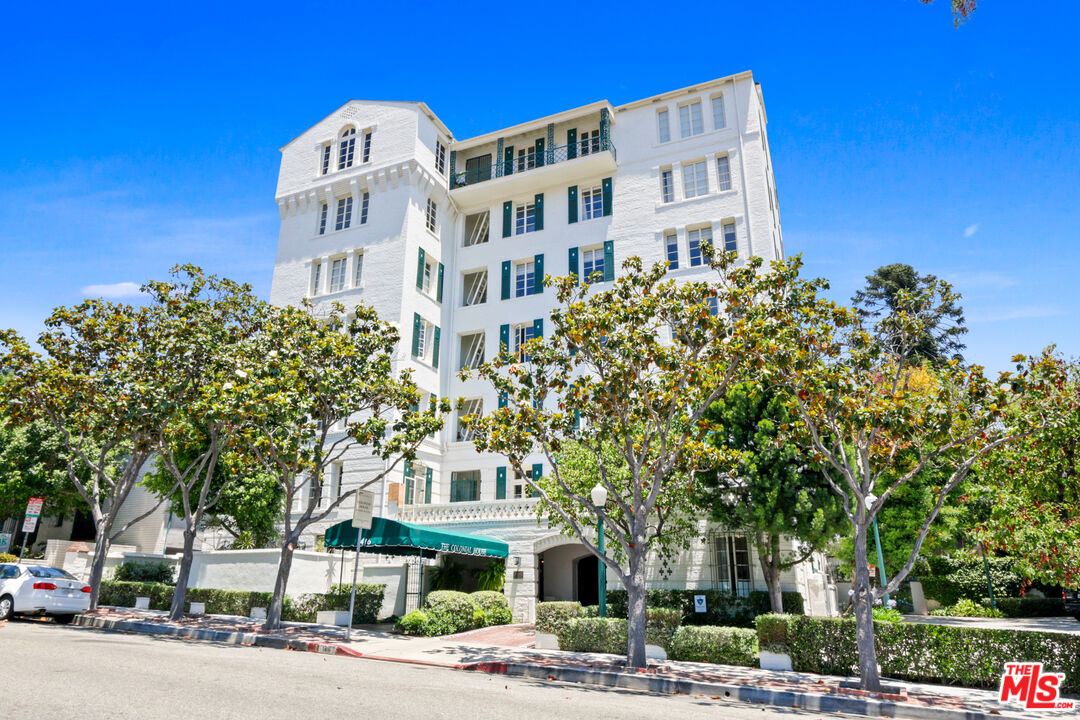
[(41, 590)]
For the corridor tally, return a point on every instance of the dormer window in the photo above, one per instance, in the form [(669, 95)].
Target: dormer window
[(346, 148)]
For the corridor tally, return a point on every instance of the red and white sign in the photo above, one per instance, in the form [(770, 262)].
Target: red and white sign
[(29, 523), (1028, 685), (34, 506)]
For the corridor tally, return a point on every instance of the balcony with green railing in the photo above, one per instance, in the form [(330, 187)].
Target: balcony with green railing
[(528, 160)]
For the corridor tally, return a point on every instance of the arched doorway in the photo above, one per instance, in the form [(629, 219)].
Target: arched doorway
[(567, 571), (588, 581)]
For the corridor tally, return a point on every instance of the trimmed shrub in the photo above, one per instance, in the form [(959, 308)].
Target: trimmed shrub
[(968, 608), (159, 572), (490, 599), (967, 656), (606, 635), (369, 599), (1024, 607), (723, 645), (722, 607), (949, 580), (414, 623), (772, 632), (883, 614), (8, 558), (123, 594), (451, 611), (551, 617), (661, 624)]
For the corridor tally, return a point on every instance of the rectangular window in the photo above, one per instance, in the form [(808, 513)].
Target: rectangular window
[(695, 179), (422, 339), (522, 335), (526, 159), (589, 142), (525, 218), (718, 119), (323, 211), (474, 288), (472, 350), (732, 564), (694, 239), (465, 486), (334, 491), (316, 275), (730, 243), (690, 120), (346, 149), (524, 277), (592, 261), (665, 126), (521, 487), (477, 228), (431, 218), (358, 269), (429, 271), (667, 186), (363, 209), (723, 172), (337, 274), (592, 203), (367, 147), (671, 243), (472, 406), (440, 157), (344, 213), (326, 152)]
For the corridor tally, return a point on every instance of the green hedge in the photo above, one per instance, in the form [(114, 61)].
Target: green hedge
[(971, 657), (159, 572), (446, 612), (661, 624), (605, 635), (723, 645), (551, 617), (948, 580), (722, 607), (1015, 607), (234, 602)]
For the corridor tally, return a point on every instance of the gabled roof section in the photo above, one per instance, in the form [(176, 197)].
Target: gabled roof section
[(673, 94), (421, 105)]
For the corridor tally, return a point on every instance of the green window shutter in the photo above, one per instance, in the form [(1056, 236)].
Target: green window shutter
[(506, 280), (435, 349), (573, 262), (438, 295), (577, 420), (538, 327), (508, 160), (500, 483), (537, 473), (609, 260), (605, 185), (571, 143), (539, 200), (508, 212), (420, 270), (504, 339), (427, 487), (502, 400), (416, 334), (539, 152), (538, 274), (571, 204)]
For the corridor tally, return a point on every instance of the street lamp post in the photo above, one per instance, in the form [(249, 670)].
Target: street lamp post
[(599, 499), (870, 500)]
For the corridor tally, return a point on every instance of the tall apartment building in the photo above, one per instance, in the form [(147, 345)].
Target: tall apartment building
[(450, 239)]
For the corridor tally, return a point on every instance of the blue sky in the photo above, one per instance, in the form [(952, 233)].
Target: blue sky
[(137, 136)]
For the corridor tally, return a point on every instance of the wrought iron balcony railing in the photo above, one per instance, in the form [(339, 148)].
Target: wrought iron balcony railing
[(532, 159)]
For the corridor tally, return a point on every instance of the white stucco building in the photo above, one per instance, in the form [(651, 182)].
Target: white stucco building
[(450, 240)]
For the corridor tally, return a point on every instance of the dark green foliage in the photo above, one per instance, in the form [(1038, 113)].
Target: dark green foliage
[(878, 301), (154, 572), (551, 617), (948, 580), (448, 576), (494, 606), (237, 602), (970, 657), (492, 576), (1025, 607), (605, 635), (449, 612), (723, 608), (661, 624), (33, 464), (415, 622), (723, 645)]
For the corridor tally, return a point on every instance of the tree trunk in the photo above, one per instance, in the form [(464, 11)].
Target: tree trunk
[(635, 614), (97, 568), (864, 616), (176, 612), (277, 603), (769, 559)]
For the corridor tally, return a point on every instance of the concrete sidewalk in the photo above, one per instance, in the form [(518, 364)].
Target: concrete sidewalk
[(506, 650)]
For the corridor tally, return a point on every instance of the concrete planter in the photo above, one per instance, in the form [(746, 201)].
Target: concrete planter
[(655, 652), (258, 613), (774, 661), (332, 617), (142, 603), (546, 641), (197, 608)]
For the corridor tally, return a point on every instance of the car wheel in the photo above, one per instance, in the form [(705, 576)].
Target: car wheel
[(7, 607), (63, 619)]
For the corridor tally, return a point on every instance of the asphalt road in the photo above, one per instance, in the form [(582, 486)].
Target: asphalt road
[(54, 671)]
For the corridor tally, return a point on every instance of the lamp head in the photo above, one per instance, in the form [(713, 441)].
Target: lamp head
[(599, 495), (871, 498)]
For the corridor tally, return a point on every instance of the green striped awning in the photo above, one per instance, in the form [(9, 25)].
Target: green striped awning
[(390, 537)]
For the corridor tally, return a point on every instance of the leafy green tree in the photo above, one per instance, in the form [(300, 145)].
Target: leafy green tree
[(849, 385), (315, 388), (774, 492), (98, 386), (33, 463), (615, 394), (942, 324)]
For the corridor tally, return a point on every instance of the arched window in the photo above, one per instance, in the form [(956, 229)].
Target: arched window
[(346, 148)]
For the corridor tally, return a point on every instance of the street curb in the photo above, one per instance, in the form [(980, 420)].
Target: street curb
[(814, 702)]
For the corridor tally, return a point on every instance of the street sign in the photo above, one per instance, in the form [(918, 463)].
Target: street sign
[(34, 506), (29, 523), (365, 504), (5, 542), (873, 571), (699, 604)]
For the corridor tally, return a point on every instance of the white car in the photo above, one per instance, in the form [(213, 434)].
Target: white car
[(41, 590)]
